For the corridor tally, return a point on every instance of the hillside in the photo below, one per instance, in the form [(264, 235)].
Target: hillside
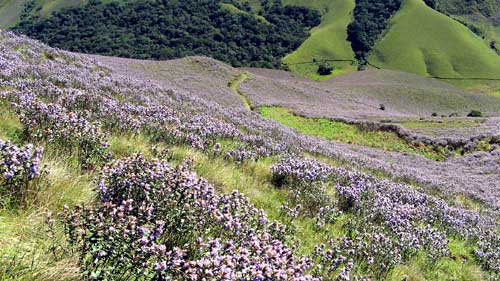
[(120, 169), (423, 41), (440, 46), (327, 41), (11, 11)]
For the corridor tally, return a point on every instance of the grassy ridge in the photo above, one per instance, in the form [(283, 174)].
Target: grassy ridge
[(428, 43), (328, 41), (342, 132), (11, 10), (28, 251)]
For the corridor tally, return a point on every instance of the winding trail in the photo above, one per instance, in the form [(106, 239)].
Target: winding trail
[(235, 87)]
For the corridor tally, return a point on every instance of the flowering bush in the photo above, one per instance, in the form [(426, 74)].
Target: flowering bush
[(298, 169), (153, 219), (54, 124), (20, 171)]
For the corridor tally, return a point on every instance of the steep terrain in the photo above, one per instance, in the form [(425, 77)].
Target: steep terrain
[(437, 42), (327, 41), (118, 169), (428, 43)]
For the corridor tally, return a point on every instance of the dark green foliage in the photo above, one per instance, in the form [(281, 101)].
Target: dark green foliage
[(370, 20), (475, 113), (431, 3), (486, 8), (325, 69), (160, 29)]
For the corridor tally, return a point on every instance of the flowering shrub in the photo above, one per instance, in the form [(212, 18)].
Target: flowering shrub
[(152, 216), (298, 169), (409, 220), (53, 124), (154, 221), (20, 171)]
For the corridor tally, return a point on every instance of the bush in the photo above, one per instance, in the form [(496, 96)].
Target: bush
[(325, 69), (20, 171), (475, 113), (155, 222), (71, 132)]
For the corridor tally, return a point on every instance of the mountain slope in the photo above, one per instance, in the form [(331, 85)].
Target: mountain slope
[(12, 10), (423, 41), (327, 41)]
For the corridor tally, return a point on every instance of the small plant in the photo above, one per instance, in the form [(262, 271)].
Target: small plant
[(381, 106), (475, 113), (434, 114)]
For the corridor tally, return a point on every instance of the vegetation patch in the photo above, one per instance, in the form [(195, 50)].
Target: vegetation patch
[(174, 29), (235, 87), (371, 18), (428, 43), (342, 132), (441, 123), (328, 41)]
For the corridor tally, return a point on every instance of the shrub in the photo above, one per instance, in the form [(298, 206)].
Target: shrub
[(382, 106), (71, 132), (20, 171), (155, 222), (325, 69), (475, 113)]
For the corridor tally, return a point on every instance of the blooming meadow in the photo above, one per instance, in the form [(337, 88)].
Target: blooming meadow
[(153, 219)]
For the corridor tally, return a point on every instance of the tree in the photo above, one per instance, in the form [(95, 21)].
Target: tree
[(325, 68)]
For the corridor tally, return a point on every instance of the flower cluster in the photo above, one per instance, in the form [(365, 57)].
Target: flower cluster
[(410, 220), (152, 215), (20, 170), (54, 124), (299, 169)]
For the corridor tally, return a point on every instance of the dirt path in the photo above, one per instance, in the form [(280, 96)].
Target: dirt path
[(235, 87)]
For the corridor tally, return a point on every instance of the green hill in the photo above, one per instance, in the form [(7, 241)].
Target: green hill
[(11, 11), (426, 42), (327, 41), (420, 39)]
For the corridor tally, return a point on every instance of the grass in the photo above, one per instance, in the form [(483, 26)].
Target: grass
[(328, 41), (459, 266), (423, 41), (439, 123), (11, 10), (347, 133), (231, 8), (28, 251), (10, 127)]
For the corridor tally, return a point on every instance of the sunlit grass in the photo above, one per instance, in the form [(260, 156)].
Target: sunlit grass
[(440, 123), (29, 252), (347, 133)]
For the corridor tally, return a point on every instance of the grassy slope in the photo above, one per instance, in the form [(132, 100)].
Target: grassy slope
[(10, 10), (233, 9), (342, 132), (29, 252), (327, 41), (428, 43)]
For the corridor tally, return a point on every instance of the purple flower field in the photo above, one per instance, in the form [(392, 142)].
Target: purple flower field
[(152, 219)]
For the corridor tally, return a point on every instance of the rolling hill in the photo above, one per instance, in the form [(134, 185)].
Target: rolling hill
[(452, 39), (327, 41), (423, 41)]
